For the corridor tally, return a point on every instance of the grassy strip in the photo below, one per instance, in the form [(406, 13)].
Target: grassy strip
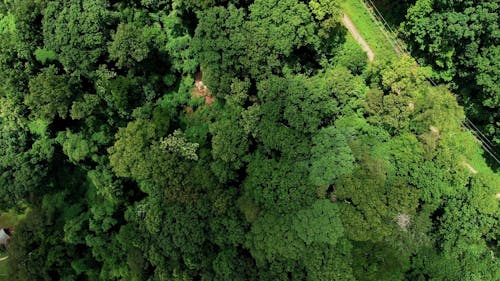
[(356, 11), (3, 268), (7, 220), (10, 219)]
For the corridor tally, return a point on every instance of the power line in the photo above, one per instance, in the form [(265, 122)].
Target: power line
[(388, 26), (468, 120), (387, 36), (489, 149), (476, 134), (400, 48), (483, 145)]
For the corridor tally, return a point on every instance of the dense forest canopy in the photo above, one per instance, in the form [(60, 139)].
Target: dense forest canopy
[(235, 140), (461, 41)]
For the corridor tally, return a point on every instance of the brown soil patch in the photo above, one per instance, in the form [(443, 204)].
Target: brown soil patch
[(434, 129), (201, 90), (411, 105)]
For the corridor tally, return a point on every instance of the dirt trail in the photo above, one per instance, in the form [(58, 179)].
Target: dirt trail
[(354, 32), (471, 169)]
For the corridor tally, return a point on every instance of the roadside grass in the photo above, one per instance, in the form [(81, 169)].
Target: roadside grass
[(351, 44), (393, 11), (356, 11), (10, 219), (3, 267)]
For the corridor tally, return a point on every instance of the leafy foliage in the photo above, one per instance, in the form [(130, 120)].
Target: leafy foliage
[(233, 140), (460, 41)]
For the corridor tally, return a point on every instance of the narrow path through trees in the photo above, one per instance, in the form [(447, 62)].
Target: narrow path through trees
[(354, 32)]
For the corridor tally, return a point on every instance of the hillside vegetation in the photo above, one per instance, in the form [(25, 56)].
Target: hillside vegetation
[(460, 40), (231, 140)]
